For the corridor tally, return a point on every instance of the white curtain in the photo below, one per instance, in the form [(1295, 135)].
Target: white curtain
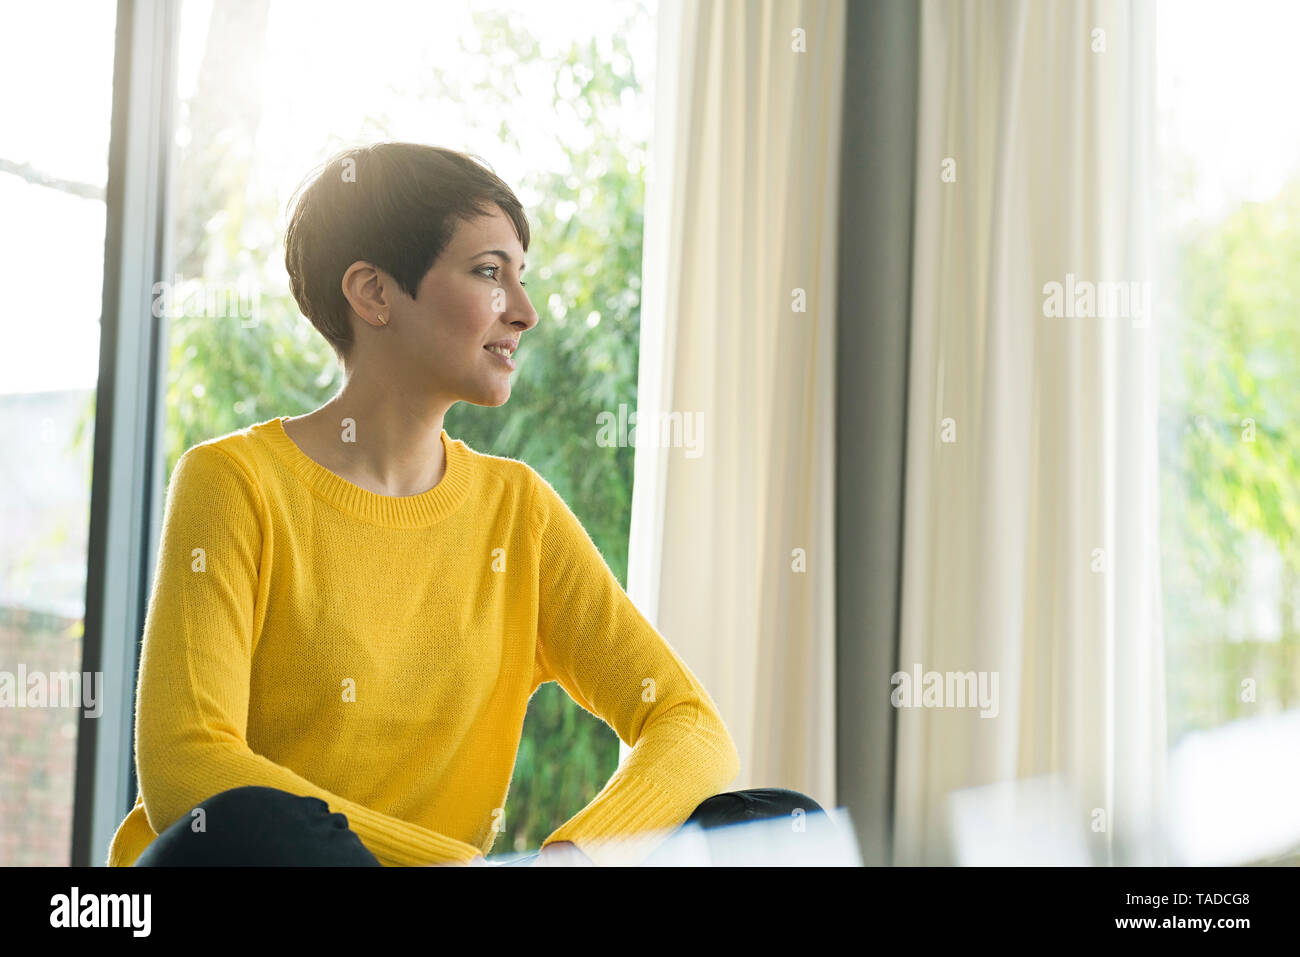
[(1030, 528), (732, 542)]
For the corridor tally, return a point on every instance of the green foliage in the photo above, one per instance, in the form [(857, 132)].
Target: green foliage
[(1230, 453), (580, 360)]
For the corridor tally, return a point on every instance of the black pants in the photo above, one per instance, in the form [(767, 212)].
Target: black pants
[(259, 827)]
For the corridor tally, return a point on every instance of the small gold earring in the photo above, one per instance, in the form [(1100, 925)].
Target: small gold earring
[(383, 321)]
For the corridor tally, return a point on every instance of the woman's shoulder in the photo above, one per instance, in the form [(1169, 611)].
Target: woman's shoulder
[(237, 446), (228, 459), (501, 471), (510, 480), (514, 471)]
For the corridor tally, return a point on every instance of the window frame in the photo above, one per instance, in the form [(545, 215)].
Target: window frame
[(127, 461)]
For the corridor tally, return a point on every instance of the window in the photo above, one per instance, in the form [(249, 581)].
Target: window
[(52, 182), (561, 111), (1229, 140)]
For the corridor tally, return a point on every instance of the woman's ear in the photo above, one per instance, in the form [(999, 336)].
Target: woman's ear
[(365, 288)]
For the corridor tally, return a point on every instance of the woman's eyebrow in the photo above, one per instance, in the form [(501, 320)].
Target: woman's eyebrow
[(499, 252)]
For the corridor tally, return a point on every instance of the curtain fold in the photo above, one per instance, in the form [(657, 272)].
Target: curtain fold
[(1031, 528), (731, 547)]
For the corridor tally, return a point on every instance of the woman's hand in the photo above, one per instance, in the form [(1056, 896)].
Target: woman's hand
[(562, 854)]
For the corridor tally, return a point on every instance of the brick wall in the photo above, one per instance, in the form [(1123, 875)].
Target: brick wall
[(38, 746)]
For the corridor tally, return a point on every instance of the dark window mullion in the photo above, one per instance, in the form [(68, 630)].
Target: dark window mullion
[(125, 489)]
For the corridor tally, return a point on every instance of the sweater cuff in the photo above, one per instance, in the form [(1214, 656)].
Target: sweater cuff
[(624, 823), (398, 843)]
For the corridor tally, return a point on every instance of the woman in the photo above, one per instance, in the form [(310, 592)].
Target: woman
[(351, 609)]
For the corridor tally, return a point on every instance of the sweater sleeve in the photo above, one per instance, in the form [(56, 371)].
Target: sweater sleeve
[(595, 643), (193, 693)]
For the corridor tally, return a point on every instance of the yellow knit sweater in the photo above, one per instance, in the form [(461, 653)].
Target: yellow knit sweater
[(378, 653)]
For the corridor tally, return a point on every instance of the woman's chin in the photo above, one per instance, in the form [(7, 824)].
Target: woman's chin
[(494, 398)]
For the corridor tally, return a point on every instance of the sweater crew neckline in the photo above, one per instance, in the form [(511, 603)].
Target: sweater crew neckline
[(404, 511)]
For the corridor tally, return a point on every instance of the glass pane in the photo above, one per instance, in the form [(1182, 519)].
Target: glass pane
[(1229, 138), (53, 170), (558, 107)]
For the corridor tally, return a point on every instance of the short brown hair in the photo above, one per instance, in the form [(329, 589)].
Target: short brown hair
[(393, 205)]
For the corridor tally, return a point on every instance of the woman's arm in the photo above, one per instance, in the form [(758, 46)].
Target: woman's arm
[(192, 699), (596, 644)]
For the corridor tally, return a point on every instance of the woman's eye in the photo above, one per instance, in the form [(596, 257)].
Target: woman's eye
[(493, 276)]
